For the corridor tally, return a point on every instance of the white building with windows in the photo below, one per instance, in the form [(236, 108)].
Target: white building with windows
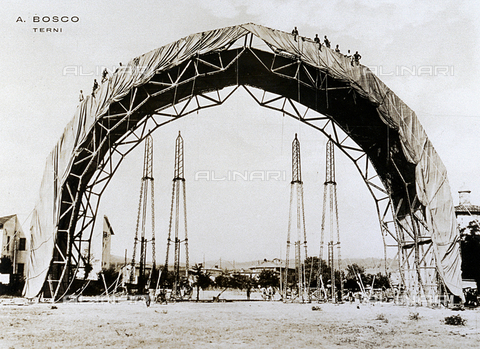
[(465, 211), (467, 214), (14, 253)]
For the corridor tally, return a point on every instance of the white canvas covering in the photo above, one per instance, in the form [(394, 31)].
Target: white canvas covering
[(431, 177)]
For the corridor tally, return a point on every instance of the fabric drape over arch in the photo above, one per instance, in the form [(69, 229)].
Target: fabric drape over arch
[(431, 176)]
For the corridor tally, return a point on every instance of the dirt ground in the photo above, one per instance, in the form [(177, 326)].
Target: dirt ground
[(255, 324)]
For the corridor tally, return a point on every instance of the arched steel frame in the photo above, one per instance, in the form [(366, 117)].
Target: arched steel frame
[(275, 80)]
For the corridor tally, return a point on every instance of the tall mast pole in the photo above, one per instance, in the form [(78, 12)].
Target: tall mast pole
[(330, 209), (147, 181), (178, 209), (296, 211)]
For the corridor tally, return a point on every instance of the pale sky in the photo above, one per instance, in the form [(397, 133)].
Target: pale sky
[(426, 52)]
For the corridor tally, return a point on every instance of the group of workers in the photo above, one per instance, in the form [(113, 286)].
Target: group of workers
[(354, 59), (95, 84)]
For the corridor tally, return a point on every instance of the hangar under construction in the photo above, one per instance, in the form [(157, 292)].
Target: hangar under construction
[(376, 130)]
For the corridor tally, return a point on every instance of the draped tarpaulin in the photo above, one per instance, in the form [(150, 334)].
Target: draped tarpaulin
[(431, 179)]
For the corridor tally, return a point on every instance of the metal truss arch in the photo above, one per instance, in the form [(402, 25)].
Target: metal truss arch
[(288, 85)]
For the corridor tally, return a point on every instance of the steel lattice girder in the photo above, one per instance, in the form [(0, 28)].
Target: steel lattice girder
[(198, 83)]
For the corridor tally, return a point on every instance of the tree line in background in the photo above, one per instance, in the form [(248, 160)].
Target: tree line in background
[(470, 251), (202, 279), (17, 281), (316, 272)]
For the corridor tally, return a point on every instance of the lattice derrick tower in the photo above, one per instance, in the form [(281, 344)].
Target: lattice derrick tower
[(178, 209), (297, 214), (146, 183), (330, 209)]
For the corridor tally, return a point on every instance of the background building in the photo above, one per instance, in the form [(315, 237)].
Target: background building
[(14, 252), (468, 218), (465, 211), (106, 243)]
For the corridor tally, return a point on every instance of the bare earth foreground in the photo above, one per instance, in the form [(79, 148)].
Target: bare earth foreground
[(232, 325)]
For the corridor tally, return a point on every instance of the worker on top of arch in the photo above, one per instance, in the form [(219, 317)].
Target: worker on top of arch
[(316, 39), (295, 33), (356, 58), (326, 41), (95, 87), (104, 75)]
